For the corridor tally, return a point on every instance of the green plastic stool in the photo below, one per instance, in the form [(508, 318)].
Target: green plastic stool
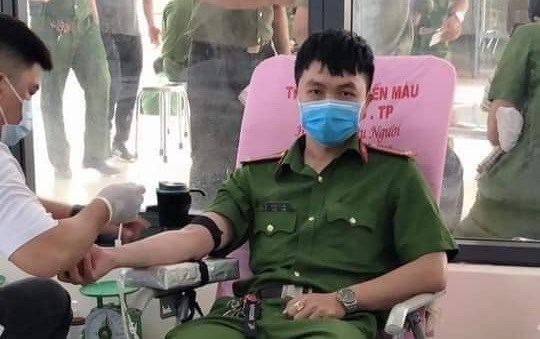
[(2, 280), (109, 289), (104, 289)]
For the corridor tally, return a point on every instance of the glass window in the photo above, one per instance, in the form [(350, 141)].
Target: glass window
[(147, 90), (473, 36)]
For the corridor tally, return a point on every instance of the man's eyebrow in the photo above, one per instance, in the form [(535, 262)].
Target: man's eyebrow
[(314, 83), (351, 85)]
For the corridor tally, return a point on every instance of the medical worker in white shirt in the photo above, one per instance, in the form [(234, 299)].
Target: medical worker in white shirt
[(42, 237)]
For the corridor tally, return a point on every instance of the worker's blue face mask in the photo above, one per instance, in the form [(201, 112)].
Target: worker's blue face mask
[(330, 122), (12, 134)]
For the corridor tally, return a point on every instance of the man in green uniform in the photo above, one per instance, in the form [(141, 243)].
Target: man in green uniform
[(176, 41), (355, 229), (508, 199), (228, 39), (70, 31), (440, 18)]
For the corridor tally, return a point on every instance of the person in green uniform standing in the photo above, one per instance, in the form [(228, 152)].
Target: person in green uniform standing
[(440, 18), (353, 227), (70, 31), (228, 39), (176, 41), (508, 202)]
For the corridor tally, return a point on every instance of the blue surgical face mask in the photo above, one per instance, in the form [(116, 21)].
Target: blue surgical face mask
[(330, 122), (12, 134)]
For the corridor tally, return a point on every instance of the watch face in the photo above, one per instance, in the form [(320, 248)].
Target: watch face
[(347, 296)]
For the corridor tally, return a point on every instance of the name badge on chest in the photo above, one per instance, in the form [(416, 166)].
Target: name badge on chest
[(276, 206)]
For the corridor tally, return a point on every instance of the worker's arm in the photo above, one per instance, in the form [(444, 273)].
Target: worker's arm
[(281, 30), (62, 246), (251, 4), (192, 242), (153, 32)]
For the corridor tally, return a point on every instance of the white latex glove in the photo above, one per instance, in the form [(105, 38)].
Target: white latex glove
[(123, 201), (509, 126)]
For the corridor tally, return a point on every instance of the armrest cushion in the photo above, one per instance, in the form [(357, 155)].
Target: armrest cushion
[(396, 320), (183, 275)]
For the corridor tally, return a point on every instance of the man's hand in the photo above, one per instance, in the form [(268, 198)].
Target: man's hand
[(451, 29), (131, 231), (155, 35), (96, 263), (315, 306)]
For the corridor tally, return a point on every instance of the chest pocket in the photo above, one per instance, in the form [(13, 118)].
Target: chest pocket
[(349, 217), (275, 223), (351, 238)]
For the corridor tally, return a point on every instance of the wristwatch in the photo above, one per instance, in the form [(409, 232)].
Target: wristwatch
[(459, 15), (347, 298)]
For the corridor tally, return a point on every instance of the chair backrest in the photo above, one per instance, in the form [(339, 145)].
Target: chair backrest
[(412, 100)]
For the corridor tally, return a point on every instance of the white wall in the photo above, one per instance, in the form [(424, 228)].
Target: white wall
[(495, 302)]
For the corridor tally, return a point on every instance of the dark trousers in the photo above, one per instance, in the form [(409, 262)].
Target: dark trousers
[(216, 76), (124, 55), (34, 309)]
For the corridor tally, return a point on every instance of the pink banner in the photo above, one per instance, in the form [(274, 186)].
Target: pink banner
[(412, 99)]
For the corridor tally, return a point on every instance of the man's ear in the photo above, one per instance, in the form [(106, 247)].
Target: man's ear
[(369, 98)]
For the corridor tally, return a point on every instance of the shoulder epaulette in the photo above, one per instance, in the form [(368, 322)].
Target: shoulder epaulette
[(393, 151), (268, 158)]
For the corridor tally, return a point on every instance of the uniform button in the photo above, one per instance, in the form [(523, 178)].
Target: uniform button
[(259, 40), (311, 219), (320, 179), (296, 274), (352, 221), (270, 228), (260, 14)]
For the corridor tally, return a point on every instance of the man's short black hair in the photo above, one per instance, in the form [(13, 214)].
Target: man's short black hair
[(19, 46), (534, 9), (339, 51)]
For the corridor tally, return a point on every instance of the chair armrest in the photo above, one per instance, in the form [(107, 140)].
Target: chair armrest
[(396, 320), (184, 275)]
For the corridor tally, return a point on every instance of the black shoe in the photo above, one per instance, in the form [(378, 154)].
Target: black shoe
[(101, 166), (62, 173), (122, 152)]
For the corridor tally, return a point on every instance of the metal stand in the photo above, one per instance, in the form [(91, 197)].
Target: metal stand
[(166, 96)]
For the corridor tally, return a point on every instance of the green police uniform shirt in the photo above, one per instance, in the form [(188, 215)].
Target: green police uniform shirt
[(508, 200), (242, 28), (71, 11), (351, 223), (433, 13)]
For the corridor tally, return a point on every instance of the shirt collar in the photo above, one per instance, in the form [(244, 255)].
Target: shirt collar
[(293, 159)]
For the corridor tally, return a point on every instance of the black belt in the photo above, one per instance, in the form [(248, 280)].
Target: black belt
[(228, 48)]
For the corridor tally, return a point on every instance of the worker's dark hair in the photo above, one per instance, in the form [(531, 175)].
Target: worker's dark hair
[(339, 51), (20, 47)]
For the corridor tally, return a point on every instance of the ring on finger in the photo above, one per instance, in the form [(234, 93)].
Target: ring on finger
[(299, 306)]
